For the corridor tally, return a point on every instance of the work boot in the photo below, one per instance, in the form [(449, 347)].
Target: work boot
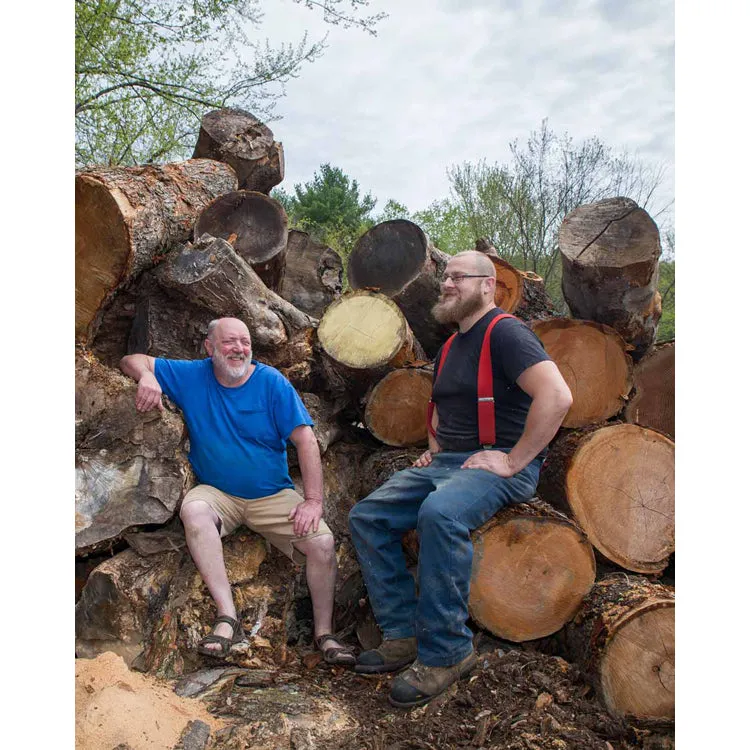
[(389, 656), (420, 684)]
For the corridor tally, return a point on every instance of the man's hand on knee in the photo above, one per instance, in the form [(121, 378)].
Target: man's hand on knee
[(306, 516), (495, 461)]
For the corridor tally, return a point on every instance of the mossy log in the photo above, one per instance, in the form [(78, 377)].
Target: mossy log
[(617, 481)]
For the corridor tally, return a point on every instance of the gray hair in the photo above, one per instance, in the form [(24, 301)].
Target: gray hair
[(211, 328)]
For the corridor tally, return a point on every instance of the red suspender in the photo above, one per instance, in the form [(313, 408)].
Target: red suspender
[(485, 398)]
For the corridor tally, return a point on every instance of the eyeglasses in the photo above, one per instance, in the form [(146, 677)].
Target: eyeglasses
[(456, 277)]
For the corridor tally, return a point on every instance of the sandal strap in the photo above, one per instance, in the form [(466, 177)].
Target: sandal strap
[(226, 619), (338, 648), (220, 639)]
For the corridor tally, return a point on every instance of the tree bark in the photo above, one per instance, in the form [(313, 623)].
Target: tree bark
[(623, 637), (240, 139), (610, 263), (594, 361), (131, 469), (617, 482), (396, 259), (535, 303), (396, 407), (312, 279), (210, 274), (256, 227), (653, 402), (126, 217), (532, 568)]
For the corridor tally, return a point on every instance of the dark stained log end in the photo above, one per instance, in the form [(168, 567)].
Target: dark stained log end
[(653, 403)]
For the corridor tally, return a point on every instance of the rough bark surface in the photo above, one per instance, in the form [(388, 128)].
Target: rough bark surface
[(131, 469), (312, 279), (126, 217), (623, 637), (595, 363), (256, 227), (610, 263), (535, 303), (397, 259), (240, 139), (532, 566), (652, 404), (617, 482)]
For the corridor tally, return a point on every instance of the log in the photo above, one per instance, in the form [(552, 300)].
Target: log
[(210, 274), (256, 227), (617, 482), (535, 303), (595, 363), (240, 139), (312, 278), (531, 569), (397, 259), (653, 402), (131, 468), (610, 268), (396, 407), (126, 217), (624, 638)]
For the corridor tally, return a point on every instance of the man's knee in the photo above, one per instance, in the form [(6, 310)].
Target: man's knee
[(434, 512), (321, 547), (198, 514)]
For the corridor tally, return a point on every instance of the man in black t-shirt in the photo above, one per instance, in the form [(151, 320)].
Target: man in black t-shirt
[(454, 487)]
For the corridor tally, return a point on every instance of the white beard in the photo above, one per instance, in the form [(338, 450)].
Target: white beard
[(231, 369)]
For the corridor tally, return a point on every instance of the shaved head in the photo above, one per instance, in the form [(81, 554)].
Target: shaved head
[(480, 262)]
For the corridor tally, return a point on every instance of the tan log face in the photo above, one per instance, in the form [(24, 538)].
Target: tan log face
[(621, 490), (637, 669), (529, 577)]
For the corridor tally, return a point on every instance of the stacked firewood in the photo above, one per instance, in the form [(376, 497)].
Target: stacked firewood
[(162, 250)]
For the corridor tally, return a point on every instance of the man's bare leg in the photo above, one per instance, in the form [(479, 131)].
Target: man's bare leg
[(321, 580), (202, 535)]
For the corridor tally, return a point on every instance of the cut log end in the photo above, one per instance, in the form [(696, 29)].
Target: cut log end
[(653, 403), (397, 406), (363, 330), (529, 574), (620, 488), (594, 361), (508, 285)]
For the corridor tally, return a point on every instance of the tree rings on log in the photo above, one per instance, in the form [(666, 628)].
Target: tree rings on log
[(594, 361), (255, 225), (127, 216), (617, 481), (397, 407), (610, 268), (623, 636), (653, 402), (365, 330), (508, 284), (532, 568), (241, 140)]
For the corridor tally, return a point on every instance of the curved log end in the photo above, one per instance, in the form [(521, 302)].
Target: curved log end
[(508, 285), (653, 403), (397, 406), (620, 488), (529, 576)]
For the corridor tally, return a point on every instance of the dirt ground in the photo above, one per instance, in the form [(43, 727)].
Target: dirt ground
[(514, 699)]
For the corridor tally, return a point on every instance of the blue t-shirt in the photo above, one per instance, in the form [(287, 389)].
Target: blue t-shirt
[(238, 436)]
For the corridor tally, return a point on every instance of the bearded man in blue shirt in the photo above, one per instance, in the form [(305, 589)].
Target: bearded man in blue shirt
[(240, 414)]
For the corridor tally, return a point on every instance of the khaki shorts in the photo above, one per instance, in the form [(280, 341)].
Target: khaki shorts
[(267, 516)]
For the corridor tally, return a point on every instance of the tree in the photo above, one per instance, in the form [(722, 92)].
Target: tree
[(519, 206), (666, 330), (147, 70)]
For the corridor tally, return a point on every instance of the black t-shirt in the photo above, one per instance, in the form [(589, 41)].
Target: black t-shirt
[(514, 348)]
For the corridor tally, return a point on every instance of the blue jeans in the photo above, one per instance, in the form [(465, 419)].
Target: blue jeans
[(444, 503)]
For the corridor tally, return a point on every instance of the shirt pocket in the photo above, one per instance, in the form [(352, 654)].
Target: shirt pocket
[(255, 425)]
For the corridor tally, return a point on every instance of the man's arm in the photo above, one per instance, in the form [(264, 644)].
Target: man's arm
[(550, 400), (307, 514), (140, 367)]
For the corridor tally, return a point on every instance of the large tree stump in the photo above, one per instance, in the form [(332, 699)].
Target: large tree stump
[(396, 407), (396, 259), (532, 567), (241, 140), (594, 361), (623, 636), (131, 469), (653, 402), (610, 263), (312, 279), (255, 225), (210, 274), (617, 482), (127, 216)]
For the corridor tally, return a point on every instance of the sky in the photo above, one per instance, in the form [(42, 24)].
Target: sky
[(448, 81)]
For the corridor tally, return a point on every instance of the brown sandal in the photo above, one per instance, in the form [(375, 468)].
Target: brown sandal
[(225, 643), (340, 655)]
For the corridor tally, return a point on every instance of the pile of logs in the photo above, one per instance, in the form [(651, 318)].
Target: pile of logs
[(162, 250)]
